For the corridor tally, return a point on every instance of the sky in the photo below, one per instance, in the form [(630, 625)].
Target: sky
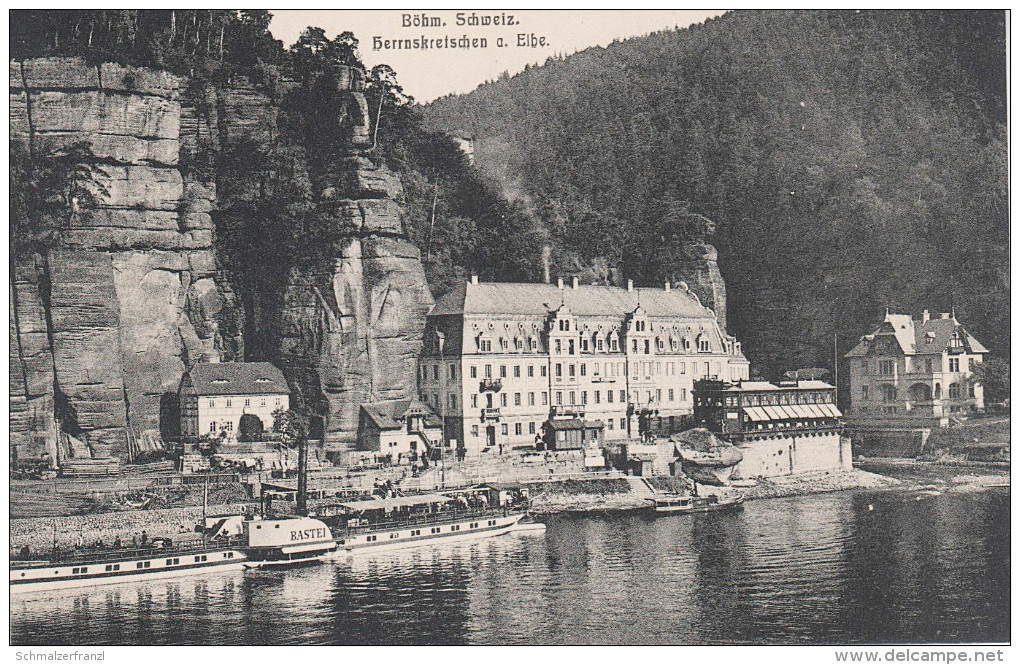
[(429, 73)]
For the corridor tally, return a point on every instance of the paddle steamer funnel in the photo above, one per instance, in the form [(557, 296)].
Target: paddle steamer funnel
[(706, 458)]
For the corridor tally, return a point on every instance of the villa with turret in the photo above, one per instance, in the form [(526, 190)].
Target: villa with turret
[(915, 372)]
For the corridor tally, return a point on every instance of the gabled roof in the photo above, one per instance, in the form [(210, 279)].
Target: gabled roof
[(918, 335), (500, 298), (390, 414), (238, 379)]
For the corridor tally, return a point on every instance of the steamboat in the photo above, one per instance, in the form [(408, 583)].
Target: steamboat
[(692, 503), (226, 542), (404, 521)]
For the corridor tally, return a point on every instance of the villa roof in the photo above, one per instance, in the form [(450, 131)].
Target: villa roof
[(257, 378), (918, 336)]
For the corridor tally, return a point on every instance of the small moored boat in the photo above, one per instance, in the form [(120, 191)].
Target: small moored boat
[(689, 503)]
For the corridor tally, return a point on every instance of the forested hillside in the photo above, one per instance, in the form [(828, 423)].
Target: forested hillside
[(848, 162)]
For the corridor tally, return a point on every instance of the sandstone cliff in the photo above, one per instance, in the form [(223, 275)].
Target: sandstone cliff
[(104, 322)]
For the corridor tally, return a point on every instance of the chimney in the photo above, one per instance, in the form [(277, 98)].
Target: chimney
[(667, 287), (944, 315), (925, 316), (559, 282), (573, 283), (630, 285), (474, 279)]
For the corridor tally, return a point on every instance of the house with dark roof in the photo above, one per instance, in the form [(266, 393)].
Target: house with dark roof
[(214, 396), (499, 357), (400, 429), (914, 372)]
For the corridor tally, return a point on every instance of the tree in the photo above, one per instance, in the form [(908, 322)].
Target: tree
[(250, 427), (993, 374), (291, 426)]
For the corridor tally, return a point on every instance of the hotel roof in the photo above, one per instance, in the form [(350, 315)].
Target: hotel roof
[(499, 298), (918, 335)]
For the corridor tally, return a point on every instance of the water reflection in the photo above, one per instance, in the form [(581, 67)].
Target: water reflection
[(867, 567)]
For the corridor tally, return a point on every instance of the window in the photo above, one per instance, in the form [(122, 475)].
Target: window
[(435, 372), (683, 368), (474, 430), (572, 398), (488, 371), (531, 371), (228, 426), (453, 401), (518, 429), (864, 392), (584, 397), (502, 371), (956, 341), (584, 369), (558, 370), (598, 396), (531, 399), (474, 372), (212, 427), (609, 396), (571, 370), (570, 348), (584, 344), (544, 371), (559, 346), (531, 427), (517, 371), (954, 391), (506, 429), (670, 394), (888, 393), (518, 344), (534, 344), (559, 398), (247, 402), (212, 404), (485, 344), (611, 421), (600, 345), (228, 403), (474, 401), (623, 396), (703, 346), (614, 344), (278, 401), (504, 344), (633, 345), (502, 399), (954, 364), (517, 399), (623, 423), (545, 398), (453, 371), (262, 402), (886, 367)]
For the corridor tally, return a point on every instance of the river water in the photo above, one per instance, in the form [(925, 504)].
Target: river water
[(851, 567)]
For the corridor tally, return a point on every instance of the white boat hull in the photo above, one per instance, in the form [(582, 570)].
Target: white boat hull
[(423, 535), (48, 578)]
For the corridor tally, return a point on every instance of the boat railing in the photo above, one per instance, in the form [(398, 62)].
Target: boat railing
[(65, 557), (425, 519)]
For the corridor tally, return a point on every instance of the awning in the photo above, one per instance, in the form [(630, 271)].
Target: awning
[(396, 502), (802, 411), (308, 547), (832, 411), (814, 411), (755, 413), (774, 413)]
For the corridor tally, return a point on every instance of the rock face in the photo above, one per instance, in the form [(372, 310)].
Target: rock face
[(352, 325), (105, 321), (699, 267)]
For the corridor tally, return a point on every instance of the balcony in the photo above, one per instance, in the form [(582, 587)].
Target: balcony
[(490, 414), (494, 385)]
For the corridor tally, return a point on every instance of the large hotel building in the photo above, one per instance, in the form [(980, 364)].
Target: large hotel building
[(500, 359)]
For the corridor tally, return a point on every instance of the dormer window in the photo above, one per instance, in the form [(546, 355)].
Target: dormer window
[(518, 344), (261, 380), (703, 346), (534, 344), (929, 338), (956, 341), (660, 345), (220, 381), (504, 344)]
